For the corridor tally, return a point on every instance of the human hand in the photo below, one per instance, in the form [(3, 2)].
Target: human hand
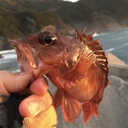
[(37, 108)]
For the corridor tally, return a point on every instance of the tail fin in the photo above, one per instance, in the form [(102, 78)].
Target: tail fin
[(89, 108)]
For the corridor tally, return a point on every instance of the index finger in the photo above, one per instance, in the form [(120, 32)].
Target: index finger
[(13, 82)]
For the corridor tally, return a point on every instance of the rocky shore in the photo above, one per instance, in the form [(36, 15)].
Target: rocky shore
[(113, 110)]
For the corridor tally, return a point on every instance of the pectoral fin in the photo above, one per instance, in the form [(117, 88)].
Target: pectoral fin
[(78, 73)]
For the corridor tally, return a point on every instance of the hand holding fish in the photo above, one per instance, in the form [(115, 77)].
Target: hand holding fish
[(38, 102)]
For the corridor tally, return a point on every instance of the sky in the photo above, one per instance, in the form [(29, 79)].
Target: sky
[(71, 0)]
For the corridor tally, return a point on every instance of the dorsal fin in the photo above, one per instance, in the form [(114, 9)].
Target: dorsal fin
[(96, 48)]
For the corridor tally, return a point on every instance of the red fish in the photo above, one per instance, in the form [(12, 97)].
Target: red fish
[(77, 66)]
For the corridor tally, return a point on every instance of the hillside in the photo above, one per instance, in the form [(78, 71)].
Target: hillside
[(20, 18)]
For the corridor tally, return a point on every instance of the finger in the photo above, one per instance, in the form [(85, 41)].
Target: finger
[(34, 104), (39, 86), (13, 82), (45, 119)]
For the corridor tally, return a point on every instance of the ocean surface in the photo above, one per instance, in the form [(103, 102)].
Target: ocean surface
[(115, 42)]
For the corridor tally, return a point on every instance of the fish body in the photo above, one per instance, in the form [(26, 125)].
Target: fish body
[(77, 66)]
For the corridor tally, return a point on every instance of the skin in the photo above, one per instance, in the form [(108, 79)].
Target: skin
[(17, 83)]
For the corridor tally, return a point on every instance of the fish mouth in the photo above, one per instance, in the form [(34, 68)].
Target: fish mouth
[(25, 57)]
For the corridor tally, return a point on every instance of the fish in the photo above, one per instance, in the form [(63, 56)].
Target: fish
[(77, 66)]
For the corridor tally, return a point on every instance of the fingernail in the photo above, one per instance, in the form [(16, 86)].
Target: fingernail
[(33, 107)]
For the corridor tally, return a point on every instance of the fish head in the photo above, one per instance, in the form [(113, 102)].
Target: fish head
[(46, 52)]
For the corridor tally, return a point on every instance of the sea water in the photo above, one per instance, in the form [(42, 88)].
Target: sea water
[(115, 42)]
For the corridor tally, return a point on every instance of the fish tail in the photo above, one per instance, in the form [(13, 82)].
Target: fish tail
[(89, 108)]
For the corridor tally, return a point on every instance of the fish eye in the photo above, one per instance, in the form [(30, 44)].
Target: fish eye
[(46, 40)]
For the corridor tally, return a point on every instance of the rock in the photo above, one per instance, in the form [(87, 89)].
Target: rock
[(120, 71), (112, 59)]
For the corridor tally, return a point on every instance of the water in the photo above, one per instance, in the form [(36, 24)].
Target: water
[(115, 42), (8, 61)]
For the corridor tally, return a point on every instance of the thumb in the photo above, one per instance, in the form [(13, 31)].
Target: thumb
[(13, 82)]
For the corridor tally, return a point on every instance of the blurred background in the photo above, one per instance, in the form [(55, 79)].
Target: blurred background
[(19, 18), (108, 18)]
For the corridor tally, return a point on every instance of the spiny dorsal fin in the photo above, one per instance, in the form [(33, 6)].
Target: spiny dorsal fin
[(96, 48)]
